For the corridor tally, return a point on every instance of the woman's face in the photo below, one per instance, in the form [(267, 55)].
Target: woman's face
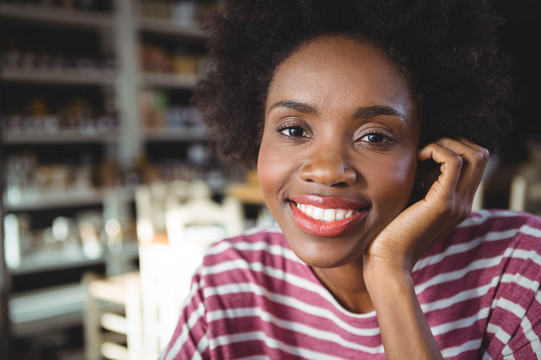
[(337, 160)]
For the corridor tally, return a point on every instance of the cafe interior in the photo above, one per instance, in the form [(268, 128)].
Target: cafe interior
[(111, 189)]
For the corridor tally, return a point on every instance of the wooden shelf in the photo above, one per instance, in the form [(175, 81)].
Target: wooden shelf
[(60, 137), (41, 262), (36, 264), (43, 310), (58, 77), (118, 33), (60, 199), (56, 16), (190, 134), (179, 81), (165, 27), (49, 308), (55, 307)]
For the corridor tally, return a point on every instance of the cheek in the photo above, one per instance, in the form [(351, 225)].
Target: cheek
[(264, 170), (394, 181), (271, 171)]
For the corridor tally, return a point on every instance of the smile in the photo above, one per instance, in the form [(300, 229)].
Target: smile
[(324, 214), (326, 217)]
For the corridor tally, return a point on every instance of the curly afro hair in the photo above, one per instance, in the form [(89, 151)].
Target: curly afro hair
[(448, 49)]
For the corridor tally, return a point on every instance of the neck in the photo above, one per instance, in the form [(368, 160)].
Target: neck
[(347, 286)]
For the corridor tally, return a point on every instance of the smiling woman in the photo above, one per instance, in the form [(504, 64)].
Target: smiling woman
[(347, 123), (369, 124)]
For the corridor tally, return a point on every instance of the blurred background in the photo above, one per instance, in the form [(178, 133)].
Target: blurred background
[(100, 143)]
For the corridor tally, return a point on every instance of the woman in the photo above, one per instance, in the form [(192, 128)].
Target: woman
[(369, 123)]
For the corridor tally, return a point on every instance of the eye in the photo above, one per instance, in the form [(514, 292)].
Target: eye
[(292, 131), (374, 138)]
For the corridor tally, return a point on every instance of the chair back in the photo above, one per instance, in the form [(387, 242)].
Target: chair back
[(525, 194), (168, 262)]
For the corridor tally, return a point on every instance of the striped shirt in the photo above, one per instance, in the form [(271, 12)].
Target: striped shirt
[(252, 298)]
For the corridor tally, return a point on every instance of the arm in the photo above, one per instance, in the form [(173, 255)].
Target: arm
[(389, 260)]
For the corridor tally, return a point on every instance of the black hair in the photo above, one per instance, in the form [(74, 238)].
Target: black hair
[(448, 48)]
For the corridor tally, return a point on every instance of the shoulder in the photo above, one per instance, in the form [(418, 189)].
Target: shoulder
[(512, 232), (258, 244), (489, 240), (501, 219), (260, 250), (489, 270), (513, 326), (492, 232)]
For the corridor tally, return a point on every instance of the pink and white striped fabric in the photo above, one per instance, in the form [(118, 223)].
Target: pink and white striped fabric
[(252, 298)]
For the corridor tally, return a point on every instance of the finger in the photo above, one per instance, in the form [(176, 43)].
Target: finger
[(478, 163), (475, 146), (475, 159), (450, 168)]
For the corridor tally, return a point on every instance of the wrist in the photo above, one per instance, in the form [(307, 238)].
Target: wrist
[(386, 277), (389, 262), (405, 331)]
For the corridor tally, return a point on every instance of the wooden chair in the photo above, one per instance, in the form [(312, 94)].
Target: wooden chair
[(166, 268), (150, 203), (479, 198), (113, 320), (132, 316), (525, 194)]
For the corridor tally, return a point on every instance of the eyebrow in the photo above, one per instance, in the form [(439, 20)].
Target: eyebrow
[(364, 112), (295, 105), (376, 110)]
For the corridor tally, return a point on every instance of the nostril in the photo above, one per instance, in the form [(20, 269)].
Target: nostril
[(329, 173)]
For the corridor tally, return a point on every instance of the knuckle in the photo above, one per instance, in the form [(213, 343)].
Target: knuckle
[(479, 157), (486, 152), (482, 155), (458, 160)]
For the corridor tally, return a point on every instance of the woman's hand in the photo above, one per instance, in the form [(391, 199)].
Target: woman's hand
[(446, 204), (389, 260)]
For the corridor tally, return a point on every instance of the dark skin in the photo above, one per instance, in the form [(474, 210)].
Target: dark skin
[(338, 164)]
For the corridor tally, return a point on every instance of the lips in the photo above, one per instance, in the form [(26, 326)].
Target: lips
[(326, 216)]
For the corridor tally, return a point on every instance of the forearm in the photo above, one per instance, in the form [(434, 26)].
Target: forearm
[(404, 330)]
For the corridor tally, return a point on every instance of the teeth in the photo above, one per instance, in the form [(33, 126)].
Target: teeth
[(318, 213), (329, 215), (324, 214)]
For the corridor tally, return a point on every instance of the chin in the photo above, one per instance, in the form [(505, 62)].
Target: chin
[(326, 253), (326, 263)]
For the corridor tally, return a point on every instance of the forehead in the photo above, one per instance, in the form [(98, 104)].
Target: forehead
[(337, 65)]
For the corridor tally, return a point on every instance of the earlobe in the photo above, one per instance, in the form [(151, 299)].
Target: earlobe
[(422, 186), (421, 175)]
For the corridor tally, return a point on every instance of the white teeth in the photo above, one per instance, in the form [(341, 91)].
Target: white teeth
[(329, 215), (318, 213), (324, 214)]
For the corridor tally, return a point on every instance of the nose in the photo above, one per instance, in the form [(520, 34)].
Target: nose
[(328, 166)]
